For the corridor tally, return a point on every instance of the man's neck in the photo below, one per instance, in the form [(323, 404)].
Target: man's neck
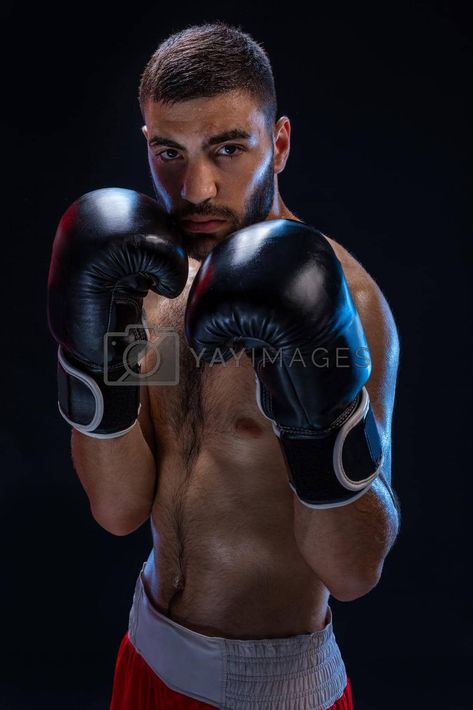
[(280, 211)]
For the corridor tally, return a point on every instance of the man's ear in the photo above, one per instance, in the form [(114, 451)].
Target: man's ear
[(282, 143), (144, 130)]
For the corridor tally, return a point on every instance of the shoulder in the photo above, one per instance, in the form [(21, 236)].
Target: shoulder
[(369, 299)]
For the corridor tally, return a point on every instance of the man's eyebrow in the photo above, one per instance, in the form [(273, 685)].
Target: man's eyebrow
[(231, 135)]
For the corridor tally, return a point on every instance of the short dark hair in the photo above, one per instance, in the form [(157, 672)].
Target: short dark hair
[(207, 60)]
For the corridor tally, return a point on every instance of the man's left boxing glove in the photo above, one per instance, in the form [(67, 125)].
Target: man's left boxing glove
[(111, 246), (277, 290)]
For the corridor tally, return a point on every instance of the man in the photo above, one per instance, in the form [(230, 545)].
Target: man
[(256, 519)]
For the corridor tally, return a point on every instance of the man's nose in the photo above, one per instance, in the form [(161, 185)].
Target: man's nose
[(198, 183)]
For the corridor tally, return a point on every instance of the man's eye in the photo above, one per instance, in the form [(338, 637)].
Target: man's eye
[(164, 155), (229, 150)]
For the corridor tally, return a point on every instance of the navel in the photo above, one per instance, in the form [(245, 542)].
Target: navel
[(178, 582)]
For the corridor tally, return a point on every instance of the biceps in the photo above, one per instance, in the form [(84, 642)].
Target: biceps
[(383, 343)]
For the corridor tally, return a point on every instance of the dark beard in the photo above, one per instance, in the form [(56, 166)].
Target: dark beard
[(257, 209), (259, 204)]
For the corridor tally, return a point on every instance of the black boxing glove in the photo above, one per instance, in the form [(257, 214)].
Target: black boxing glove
[(111, 246), (278, 290)]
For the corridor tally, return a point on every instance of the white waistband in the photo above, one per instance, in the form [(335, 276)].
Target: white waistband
[(303, 672)]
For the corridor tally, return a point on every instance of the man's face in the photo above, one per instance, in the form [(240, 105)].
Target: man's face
[(211, 162)]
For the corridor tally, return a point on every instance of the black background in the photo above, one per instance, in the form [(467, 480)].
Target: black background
[(377, 96)]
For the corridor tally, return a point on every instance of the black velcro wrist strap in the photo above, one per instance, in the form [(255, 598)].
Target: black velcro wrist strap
[(92, 406), (337, 468)]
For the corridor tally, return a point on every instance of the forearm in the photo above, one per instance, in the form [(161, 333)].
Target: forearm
[(119, 477), (346, 546)]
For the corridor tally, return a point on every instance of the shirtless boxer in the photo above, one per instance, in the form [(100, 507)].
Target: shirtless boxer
[(251, 532)]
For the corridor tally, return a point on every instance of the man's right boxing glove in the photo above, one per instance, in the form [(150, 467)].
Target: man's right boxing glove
[(278, 290), (111, 246)]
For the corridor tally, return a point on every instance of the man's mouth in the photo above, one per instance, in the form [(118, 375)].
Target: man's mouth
[(202, 225)]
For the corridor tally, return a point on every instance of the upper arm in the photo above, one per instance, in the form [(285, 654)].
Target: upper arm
[(383, 343)]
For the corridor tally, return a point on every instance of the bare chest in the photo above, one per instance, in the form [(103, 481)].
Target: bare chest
[(223, 513)]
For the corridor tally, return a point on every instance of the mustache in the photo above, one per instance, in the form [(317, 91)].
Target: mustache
[(205, 211)]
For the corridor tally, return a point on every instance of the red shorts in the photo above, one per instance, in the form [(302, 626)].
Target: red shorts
[(137, 687)]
